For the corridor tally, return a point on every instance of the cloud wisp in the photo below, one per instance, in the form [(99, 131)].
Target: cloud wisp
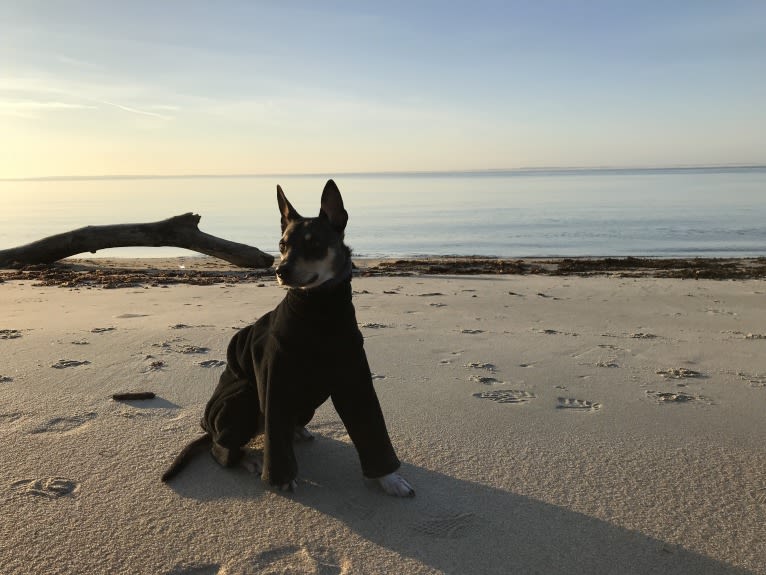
[(30, 98), (139, 112), (30, 109)]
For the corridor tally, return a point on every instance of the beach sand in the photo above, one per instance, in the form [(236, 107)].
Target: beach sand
[(550, 424)]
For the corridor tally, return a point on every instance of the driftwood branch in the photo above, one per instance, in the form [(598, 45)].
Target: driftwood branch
[(178, 231)]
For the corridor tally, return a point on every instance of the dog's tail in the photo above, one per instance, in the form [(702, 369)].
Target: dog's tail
[(186, 453)]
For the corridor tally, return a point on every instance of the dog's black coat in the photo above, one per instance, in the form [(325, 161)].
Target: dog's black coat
[(283, 367), (286, 365)]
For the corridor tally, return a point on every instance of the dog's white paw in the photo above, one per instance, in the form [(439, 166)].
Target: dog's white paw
[(253, 462), (395, 484)]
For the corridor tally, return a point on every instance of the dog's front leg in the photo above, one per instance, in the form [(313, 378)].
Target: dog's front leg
[(279, 464), (357, 404), (253, 462)]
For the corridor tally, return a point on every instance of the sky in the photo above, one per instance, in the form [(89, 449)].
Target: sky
[(92, 88)]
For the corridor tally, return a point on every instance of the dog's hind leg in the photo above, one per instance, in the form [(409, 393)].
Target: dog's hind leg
[(232, 418), (225, 456)]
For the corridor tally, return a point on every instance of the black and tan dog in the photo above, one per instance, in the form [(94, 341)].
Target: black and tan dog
[(289, 362)]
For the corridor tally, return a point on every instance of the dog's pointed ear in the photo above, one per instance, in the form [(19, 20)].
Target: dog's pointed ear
[(286, 209), (332, 207)]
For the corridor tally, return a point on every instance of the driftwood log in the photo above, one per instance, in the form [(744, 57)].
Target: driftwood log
[(178, 231)]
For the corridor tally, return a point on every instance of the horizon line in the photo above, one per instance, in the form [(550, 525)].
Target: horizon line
[(395, 173)]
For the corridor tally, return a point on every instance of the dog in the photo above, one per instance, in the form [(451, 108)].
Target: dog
[(284, 366)]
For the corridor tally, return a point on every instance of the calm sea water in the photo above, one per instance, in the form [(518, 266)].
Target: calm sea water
[(674, 212)]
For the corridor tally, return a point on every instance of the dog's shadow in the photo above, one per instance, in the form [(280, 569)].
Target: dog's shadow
[(453, 523)]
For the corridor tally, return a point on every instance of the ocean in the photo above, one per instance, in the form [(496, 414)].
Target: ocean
[(686, 212)]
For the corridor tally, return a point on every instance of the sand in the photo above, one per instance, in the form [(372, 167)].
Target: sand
[(549, 425)]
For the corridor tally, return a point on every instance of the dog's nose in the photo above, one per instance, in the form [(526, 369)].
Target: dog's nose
[(282, 271)]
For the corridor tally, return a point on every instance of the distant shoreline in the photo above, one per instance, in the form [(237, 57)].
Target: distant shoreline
[(528, 171)]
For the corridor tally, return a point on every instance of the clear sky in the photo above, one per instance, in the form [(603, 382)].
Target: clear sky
[(185, 87)]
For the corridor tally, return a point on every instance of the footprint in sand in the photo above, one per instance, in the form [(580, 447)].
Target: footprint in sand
[(577, 404), (288, 559), (753, 379), (5, 379), (481, 365), (484, 380), (674, 397), (641, 335), (506, 395), (546, 296), (9, 334), (48, 487), (212, 363), (755, 336), (155, 365), (373, 325), (679, 373), (64, 424), (720, 311), (10, 417), (192, 349), (450, 526), (378, 376), (609, 346), (557, 332), (186, 326), (64, 363), (131, 315), (472, 331), (102, 329)]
